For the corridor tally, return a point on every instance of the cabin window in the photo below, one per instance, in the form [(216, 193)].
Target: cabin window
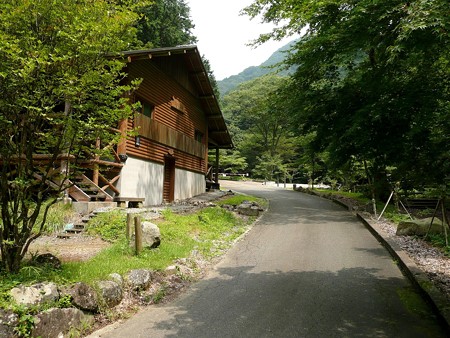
[(198, 136), (147, 108)]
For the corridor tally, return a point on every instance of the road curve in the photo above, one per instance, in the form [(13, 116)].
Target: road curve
[(308, 268)]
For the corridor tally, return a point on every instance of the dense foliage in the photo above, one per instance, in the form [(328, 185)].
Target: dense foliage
[(165, 23), (274, 64), (372, 87), (259, 125), (61, 92)]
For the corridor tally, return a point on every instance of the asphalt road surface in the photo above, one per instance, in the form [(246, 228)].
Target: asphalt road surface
[(308, 268)]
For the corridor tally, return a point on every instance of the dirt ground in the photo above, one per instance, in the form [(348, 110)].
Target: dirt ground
[(76, 248), (81, 247)]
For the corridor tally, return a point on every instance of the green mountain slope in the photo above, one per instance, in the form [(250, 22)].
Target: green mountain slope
[(250, 73)]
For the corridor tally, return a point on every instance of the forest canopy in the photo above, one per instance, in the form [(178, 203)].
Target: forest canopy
[(369, 99)]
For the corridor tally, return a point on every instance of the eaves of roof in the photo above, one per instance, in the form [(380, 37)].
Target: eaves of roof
[(218, 134)]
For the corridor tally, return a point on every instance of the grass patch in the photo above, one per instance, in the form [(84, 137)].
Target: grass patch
[(438, 240), (110, 225), (357, 196), (59, 214), (391, 213), (207, 231), (239, 199)]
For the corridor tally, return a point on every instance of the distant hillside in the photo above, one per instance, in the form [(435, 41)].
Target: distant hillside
[(253, 72)]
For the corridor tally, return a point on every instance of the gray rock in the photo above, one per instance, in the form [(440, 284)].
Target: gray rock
[(8, 320), (171, 270), (35, 294), (419, 227), (83, 296), (228, 207), (139, 279), (56, 322), (115, 277), (111, 292), (248, 209), (151, 236), (48, 259), (185, 271)]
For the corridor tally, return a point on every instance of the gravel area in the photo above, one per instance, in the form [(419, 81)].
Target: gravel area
[(430, 259)]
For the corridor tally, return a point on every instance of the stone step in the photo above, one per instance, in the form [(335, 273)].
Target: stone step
[(65, 235)]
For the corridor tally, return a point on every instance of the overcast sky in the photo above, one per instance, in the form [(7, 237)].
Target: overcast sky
[(222, 36)]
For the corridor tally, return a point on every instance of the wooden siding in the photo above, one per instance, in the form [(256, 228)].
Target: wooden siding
[(156, 152), (177, 116), (160, 133), (161, 90)]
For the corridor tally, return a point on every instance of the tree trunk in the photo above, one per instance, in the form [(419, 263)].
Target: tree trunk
[(372, 188), (11, 258)]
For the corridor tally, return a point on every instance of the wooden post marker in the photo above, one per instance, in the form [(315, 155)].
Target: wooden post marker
[(138, 234), (129, 226)]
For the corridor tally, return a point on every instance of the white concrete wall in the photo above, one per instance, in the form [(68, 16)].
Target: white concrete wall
[(140, 178), (188, 184)]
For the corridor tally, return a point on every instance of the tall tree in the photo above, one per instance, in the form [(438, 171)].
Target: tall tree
[(165, 23), (259, 122), (372, 82), (61, 92)]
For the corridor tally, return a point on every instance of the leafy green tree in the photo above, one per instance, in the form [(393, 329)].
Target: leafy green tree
[(165, 23), (230, 160), (61, 91), (372, 83), (258, 120)]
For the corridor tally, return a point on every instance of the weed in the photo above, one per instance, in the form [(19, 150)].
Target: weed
[(159, 295), (438, 240), (65, 302), (110, 225), (58, 215), (25, 322)]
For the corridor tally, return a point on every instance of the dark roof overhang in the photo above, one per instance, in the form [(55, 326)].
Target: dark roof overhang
[(218, 135)]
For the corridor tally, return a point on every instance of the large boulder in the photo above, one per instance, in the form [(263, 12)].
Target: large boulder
[(57, 322), (111, 293), (419, 227), (8, 321), (139, 279), (249, 209), (83, 296), (35, 294), (49, 260), (151, 235), (115, 277)]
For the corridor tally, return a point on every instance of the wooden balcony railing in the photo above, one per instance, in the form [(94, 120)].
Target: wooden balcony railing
[(160, 133)]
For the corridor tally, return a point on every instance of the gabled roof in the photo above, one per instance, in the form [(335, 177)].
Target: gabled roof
[(217, 129)]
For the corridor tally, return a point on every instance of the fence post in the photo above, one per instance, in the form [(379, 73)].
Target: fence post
[(129, 225), (138, 234)]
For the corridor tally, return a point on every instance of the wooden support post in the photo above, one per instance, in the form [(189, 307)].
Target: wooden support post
[(138, 234), (122, 146), (96, 167), (216, 178), (129, 226)]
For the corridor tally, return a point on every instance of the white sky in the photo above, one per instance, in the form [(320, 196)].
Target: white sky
[(222, 36)]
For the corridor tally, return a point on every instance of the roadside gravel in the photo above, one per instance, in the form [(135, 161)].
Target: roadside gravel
[(431, 260)]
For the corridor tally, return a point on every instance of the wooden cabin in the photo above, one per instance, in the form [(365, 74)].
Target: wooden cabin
[(179, 120), (166, 156)]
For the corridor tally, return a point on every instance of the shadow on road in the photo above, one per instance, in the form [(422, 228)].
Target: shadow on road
[(350, 303)]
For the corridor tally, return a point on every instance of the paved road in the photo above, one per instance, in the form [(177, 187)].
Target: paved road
[(308, 268)]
